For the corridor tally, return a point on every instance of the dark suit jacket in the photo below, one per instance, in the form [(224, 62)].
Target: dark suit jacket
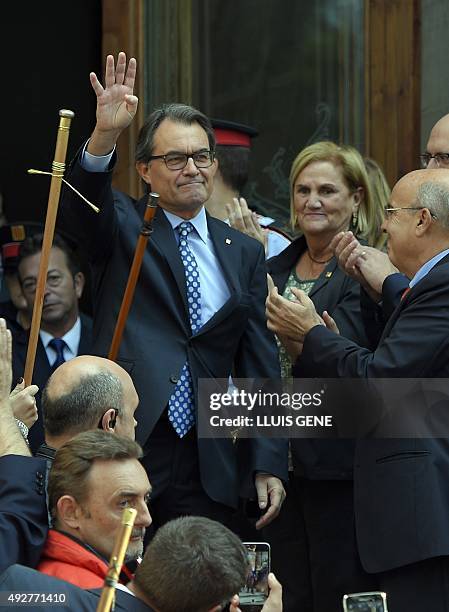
[(42, 369), (375, 315), (340, 296), (333, 291), (157, 338), (9, 312), (23, 510), (25, 580), (401, 485)]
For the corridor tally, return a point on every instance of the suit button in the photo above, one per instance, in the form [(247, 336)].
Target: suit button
[(39, 475), (173, 379)]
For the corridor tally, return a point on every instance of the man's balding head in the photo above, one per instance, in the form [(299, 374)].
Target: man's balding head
[(407, 188), (419, 228), (438, 143), (86, 393)]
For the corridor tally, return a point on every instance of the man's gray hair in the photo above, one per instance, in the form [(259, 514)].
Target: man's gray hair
[(435, 197), (82, 407), (178, 113)]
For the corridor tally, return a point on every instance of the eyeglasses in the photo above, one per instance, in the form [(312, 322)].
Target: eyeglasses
[(389, 211), (441, 159), (178, 161)]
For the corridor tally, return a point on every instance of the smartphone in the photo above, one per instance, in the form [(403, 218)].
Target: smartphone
[(255, 592), (374, 601)]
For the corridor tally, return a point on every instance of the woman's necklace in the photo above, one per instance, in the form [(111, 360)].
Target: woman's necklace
[(317, 261)]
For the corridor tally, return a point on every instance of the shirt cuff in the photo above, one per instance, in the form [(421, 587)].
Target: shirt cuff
[(95, 163)]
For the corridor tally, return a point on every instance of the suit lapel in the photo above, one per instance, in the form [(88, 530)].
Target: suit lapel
[(282, 265), (163, 238), (324, 277), (227, 252), (41, 360), (85, 345), (42, 367), (420, 287)]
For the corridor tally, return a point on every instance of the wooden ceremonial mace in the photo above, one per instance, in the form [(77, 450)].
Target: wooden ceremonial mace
[(58, 167), (116, 560), (145, 232)]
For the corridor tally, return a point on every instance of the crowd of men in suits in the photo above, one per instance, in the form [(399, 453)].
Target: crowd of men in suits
[(199, 312)]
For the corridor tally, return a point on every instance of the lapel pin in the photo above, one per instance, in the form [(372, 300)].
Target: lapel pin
[(228, 241), (328, 274)]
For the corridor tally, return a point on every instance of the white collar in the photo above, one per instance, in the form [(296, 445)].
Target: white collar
[(199, 222), (71, 338)]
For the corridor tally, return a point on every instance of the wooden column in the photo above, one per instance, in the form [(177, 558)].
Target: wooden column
[(159, 33), (123, 30), (393, 87)]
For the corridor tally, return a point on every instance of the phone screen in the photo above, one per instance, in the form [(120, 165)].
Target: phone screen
[(255, 591), (365, 602)]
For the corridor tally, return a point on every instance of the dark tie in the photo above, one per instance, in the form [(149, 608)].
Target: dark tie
[(181, 405), (58, 345)]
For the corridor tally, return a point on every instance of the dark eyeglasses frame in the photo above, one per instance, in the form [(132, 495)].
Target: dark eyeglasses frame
[(438, 157), (186, 157)]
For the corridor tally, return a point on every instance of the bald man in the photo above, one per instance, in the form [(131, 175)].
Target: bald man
[(87, 393), (371, 267), (401, 485), (437, 149)]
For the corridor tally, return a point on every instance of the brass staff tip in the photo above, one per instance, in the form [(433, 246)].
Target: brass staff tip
[(153, 194), (64, 112)]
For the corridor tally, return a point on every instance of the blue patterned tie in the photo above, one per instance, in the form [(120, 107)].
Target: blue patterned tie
[(58, 345), (181, 405)]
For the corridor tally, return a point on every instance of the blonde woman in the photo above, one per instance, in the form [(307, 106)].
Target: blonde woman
[(314, 549)]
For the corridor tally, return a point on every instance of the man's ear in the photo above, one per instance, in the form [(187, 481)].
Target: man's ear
[(109, 420), (424, 222), (79, 281), (68, 511), (144, 171), (214, 167)]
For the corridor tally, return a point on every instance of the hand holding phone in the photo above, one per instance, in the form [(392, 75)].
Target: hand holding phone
[(273, 602), (255, 591)]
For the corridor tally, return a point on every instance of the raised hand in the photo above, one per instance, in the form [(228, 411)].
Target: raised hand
[(367, 265), (11, 440), (23, 403), (291, 319), (240, 217), (5, 361), (347, 249), (116, 103)]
